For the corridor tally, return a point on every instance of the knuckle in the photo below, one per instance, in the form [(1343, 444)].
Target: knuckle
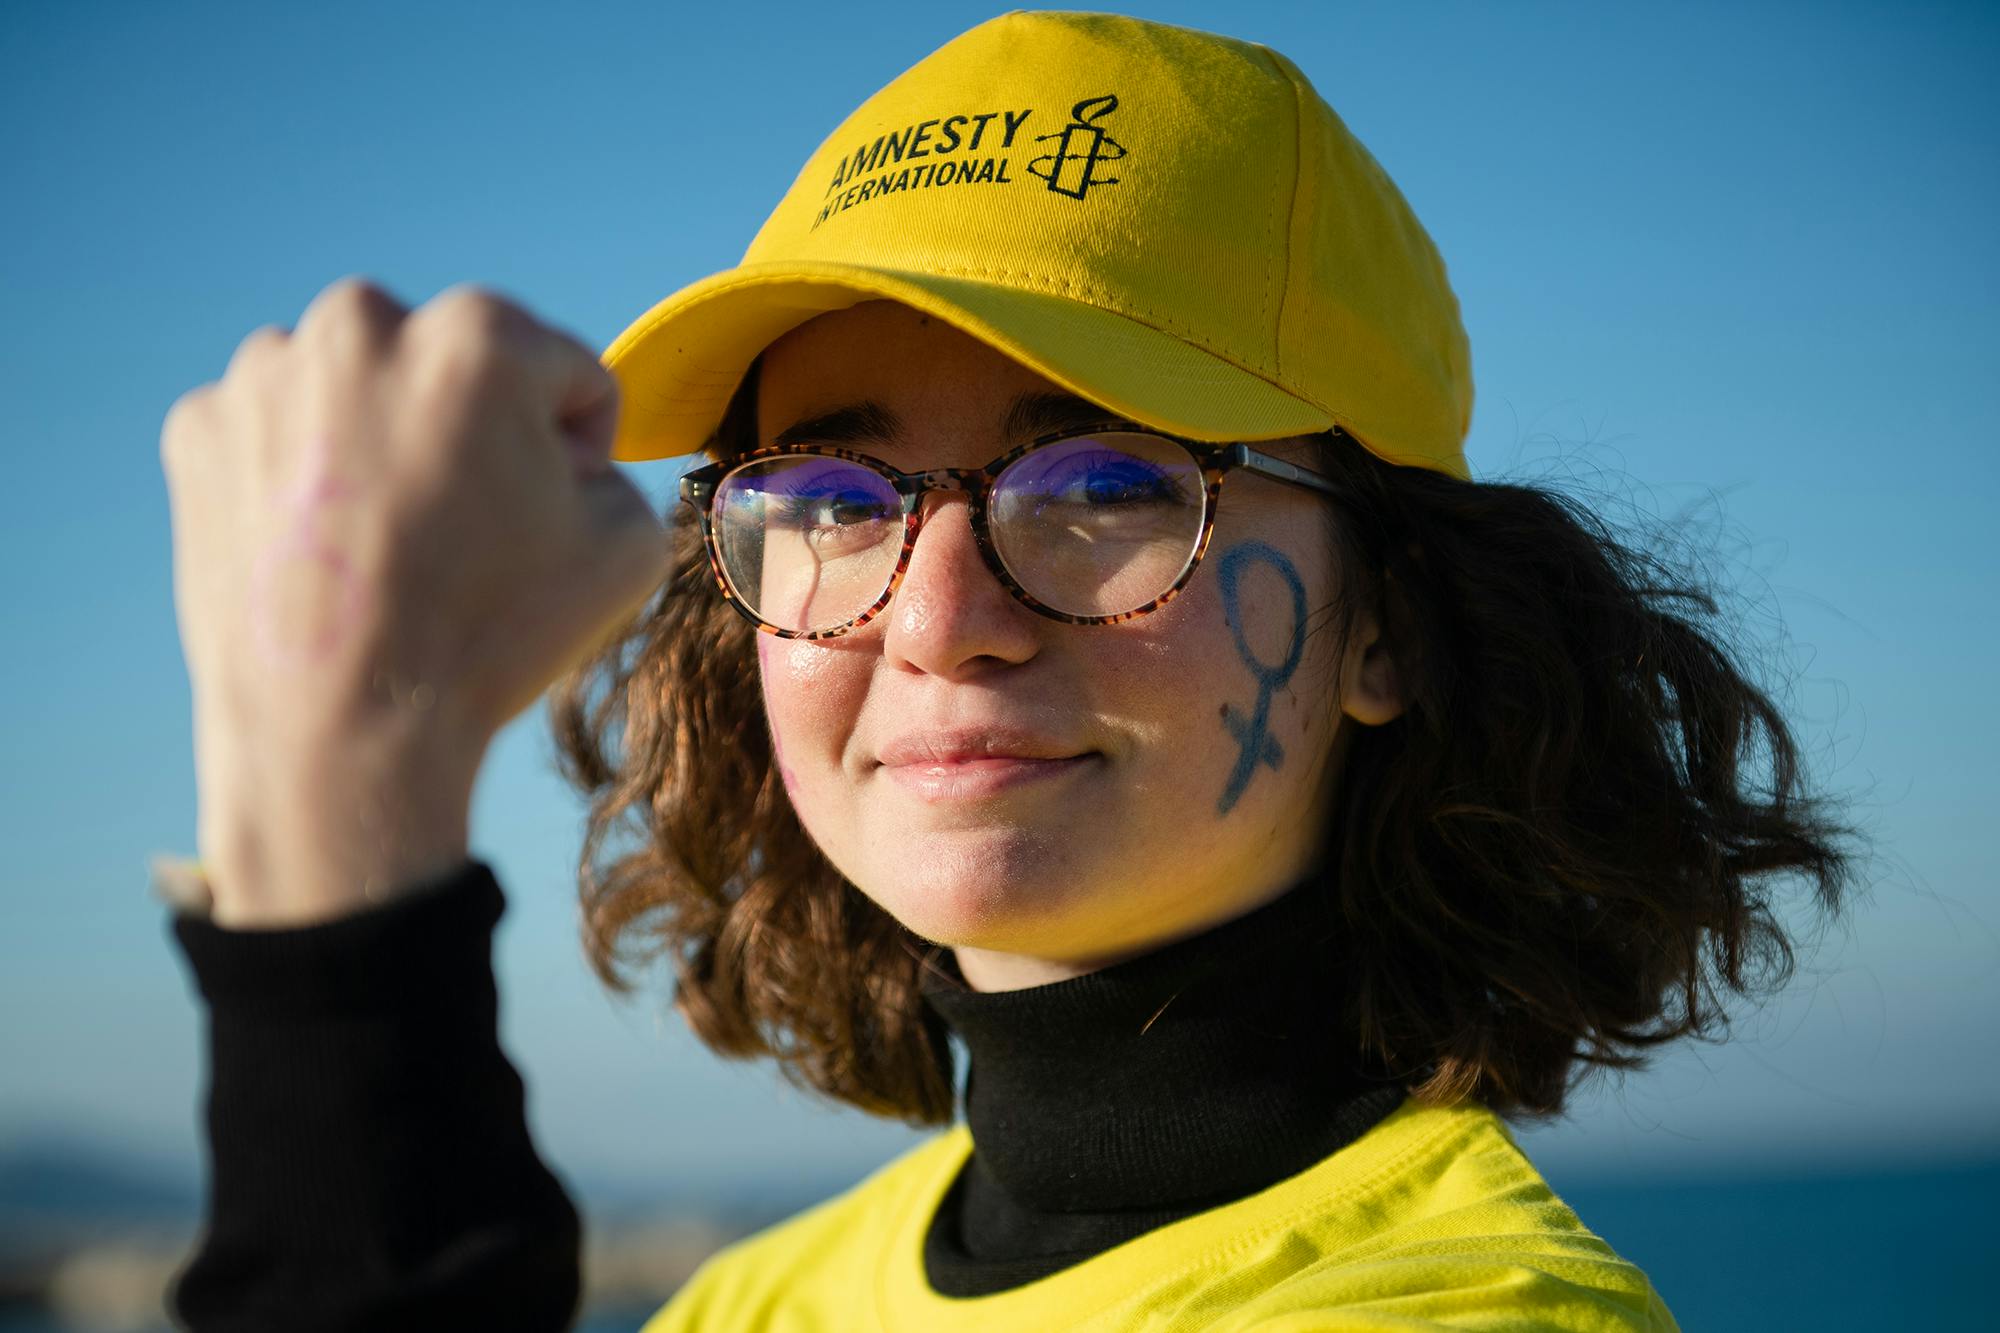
[(185, 418), (467, 339), (467, 308), (356, 293), (351, 306), (259, 347)]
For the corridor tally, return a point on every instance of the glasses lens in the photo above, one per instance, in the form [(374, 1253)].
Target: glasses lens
[(807, 543), (1100, 524)]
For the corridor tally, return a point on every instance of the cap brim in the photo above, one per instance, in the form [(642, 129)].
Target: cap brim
[(678, 364)]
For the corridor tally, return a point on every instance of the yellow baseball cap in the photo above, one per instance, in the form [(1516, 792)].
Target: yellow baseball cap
[(1165, 221)]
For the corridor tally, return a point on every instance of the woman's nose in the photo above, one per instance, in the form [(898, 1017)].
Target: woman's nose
[(950, 616)]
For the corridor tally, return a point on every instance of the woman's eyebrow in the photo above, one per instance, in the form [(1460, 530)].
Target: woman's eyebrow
[(854, 423), (1030, 415), (1035, 414)]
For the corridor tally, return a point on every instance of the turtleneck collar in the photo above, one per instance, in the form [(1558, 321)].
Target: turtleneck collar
[(1185, 1077)]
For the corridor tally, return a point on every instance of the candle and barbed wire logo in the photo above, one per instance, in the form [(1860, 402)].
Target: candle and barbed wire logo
[(1082, 144)]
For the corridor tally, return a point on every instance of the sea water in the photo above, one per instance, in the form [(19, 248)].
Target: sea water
[(1904, 1249)]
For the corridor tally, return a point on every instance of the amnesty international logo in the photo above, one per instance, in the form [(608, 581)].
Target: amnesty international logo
[(1081, 145), (969, 149)]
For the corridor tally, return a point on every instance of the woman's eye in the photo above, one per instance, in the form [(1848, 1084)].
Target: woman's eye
[(1115, 480), (1124, 487), (830, 511), (838, 512), (835, 525)]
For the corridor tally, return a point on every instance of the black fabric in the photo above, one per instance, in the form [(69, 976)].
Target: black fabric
[(1112, 1103), (370, 1165), (371, 1168)]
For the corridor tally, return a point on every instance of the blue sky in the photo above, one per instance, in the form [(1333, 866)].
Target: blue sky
[(1728, 260)]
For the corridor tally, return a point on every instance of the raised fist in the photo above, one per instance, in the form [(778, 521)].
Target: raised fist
[(392, 530)]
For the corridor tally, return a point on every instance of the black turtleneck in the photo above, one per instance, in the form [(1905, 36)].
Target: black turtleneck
[(1112, 1103)]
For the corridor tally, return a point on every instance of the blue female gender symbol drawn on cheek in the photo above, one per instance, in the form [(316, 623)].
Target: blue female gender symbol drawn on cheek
[(1253, 733)]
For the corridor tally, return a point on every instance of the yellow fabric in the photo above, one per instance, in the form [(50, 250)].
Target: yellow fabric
[(1434, 1219), (1166, 221)]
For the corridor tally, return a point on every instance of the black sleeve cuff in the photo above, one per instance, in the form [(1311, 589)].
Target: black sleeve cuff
[(370, 1162), (429, 944)]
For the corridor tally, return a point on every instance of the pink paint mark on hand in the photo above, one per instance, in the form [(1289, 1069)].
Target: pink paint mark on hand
[(316, 480), (302, 543)]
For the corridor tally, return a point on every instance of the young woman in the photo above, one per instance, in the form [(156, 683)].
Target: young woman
[(1086, 640)]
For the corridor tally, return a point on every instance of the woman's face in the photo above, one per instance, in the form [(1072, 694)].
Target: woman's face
[(1051, 798)]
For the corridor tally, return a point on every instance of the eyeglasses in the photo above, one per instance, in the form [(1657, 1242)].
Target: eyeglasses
[(1090, 528)]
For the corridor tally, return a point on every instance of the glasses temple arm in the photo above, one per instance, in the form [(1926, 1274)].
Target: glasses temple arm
[(696, 490), (1243, 456)]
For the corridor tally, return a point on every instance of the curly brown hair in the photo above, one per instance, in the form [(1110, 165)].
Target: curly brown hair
[(1553, 861)]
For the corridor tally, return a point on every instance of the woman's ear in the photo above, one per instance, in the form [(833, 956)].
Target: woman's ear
[(1371, 683)]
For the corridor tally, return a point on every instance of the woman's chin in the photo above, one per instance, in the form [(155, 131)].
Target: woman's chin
[(988, 888)]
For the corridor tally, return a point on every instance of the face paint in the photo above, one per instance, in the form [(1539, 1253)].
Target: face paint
[(304, 592), (1255, 743)]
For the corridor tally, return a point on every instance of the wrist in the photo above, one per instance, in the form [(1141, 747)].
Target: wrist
[(295, 839)]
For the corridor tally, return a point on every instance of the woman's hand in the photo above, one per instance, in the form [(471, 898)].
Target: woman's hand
[(392, 529)]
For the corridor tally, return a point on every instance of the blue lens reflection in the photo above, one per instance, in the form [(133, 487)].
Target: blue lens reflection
[(1087, 473)]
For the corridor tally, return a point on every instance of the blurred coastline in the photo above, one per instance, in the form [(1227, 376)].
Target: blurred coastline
[(89, 1241)]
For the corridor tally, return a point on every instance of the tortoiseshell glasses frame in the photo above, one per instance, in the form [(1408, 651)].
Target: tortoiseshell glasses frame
[(699, 488)]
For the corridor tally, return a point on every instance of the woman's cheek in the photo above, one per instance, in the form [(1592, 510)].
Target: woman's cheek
[(813, 693), (781, 691)]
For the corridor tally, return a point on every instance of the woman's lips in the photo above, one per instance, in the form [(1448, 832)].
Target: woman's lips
[(986, 775), (974, 762)]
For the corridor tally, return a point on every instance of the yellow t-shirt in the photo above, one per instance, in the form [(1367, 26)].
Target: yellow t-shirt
[(1433, 1219)]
